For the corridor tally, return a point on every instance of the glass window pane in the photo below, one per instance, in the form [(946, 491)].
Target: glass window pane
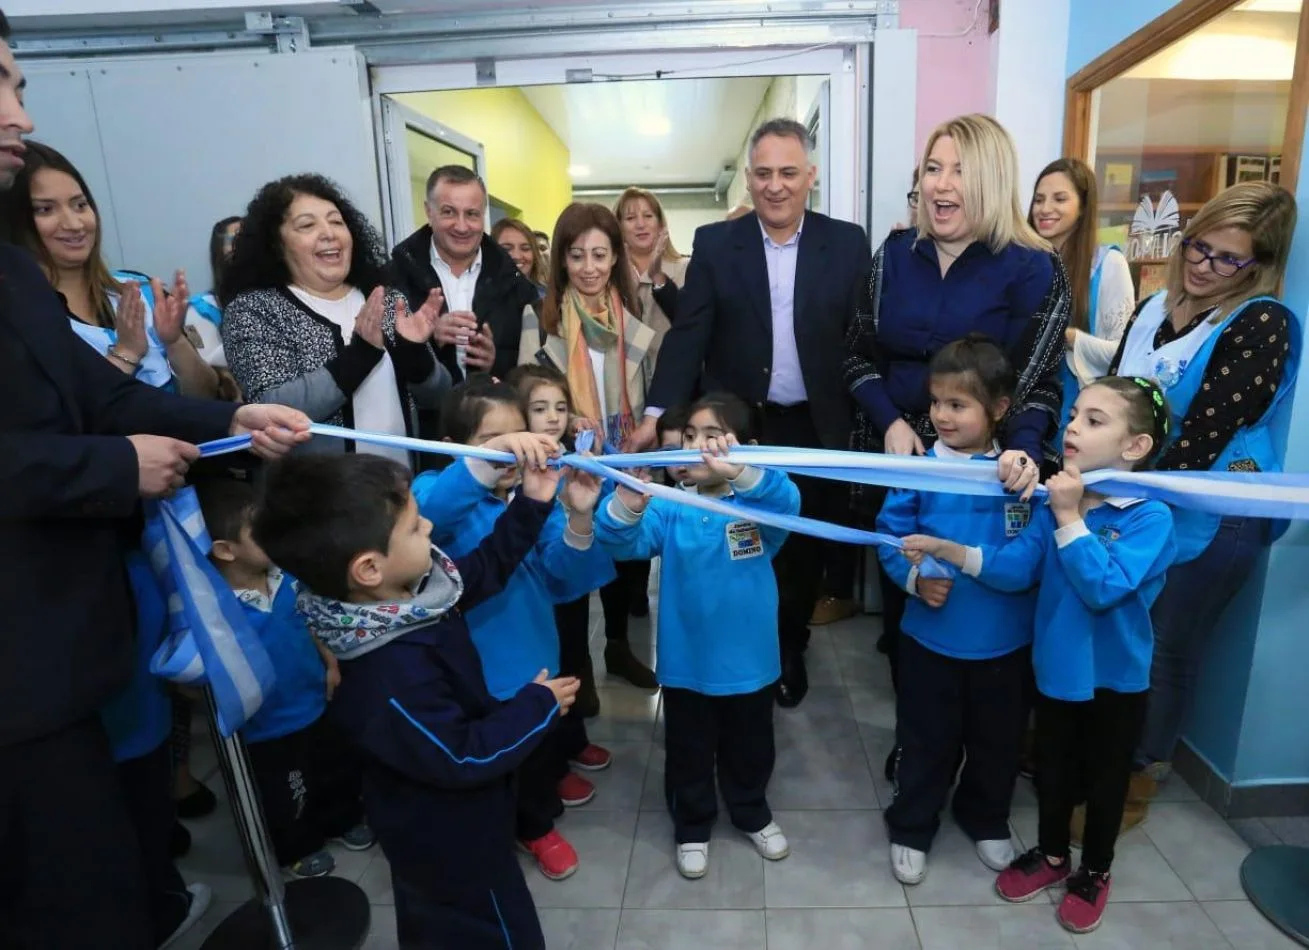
[(1199, 115), (426, 155)]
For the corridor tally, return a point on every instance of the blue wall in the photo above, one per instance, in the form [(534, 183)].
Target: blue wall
[(1098, 25), (1252, 700)]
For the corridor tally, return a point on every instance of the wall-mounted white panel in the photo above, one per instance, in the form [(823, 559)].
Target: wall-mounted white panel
[(188, 140), (63, 109)]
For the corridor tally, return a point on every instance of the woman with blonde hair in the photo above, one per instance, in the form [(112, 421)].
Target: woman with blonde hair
[(971, 264), (1064, 212), (1227, 352), (657, 268), (517, 240)]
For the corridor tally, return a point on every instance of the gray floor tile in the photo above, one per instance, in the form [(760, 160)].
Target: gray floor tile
[(838, 859), (874, 709), (680, 929), (626, 715), (1154, 927), (579, 929), (1290, 830), (819, 773), (376, 882), (856, 649), (381, 930), (735, 879), (955, 876), (1011, 927), (878, 744), (351, 865), (822, 662), (1254, 832), (218, 912), (1176, 790), (1200, 847), (885, 929), (1141, 874), (824, 715), (618, 788), (1245, 928), (216, 859), (603, 841)]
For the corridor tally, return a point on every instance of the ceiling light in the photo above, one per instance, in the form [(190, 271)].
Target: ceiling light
[(578, 171), (653, 126)]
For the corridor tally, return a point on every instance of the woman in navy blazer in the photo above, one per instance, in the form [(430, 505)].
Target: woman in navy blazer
[(971, 264)]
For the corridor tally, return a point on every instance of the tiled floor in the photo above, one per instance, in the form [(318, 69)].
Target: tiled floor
[(1175, 882)]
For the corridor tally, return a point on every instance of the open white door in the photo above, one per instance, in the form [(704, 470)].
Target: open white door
[(413, 147)]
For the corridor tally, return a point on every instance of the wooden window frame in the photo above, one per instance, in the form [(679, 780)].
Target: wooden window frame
[(1180, 21)]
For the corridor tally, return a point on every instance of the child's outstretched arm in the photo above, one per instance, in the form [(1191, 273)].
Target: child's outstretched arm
[(567, 555), (899, 518), (765, 488), (1106, 574), (487, 568), (1009, 568), (427, 735), (447, 497), (629, 527)]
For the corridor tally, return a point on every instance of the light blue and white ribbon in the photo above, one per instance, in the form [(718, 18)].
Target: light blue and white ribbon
[(209, 639)]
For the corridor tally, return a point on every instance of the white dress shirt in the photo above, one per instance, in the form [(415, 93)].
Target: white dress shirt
[(458, 290)]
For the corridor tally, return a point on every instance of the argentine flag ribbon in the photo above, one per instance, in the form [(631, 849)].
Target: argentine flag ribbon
[(209, 641)]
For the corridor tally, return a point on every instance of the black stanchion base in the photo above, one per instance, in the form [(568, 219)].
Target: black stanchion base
[(1276, 879), (325, 913)]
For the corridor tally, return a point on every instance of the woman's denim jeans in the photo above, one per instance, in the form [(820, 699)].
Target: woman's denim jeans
[(1185, 615)]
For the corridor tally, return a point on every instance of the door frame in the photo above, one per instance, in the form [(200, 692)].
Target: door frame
[(843, 64), (393, 119)]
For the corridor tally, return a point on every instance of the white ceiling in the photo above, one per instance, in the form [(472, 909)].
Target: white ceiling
[(655, 132)]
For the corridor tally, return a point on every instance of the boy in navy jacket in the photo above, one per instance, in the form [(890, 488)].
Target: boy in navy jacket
[(440, 751)]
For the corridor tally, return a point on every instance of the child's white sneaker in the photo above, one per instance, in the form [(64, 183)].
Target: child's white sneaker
[(693, 859), (909, 865), (996, 853), (770, 842)]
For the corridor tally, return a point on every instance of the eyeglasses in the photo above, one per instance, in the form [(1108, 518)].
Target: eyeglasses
[(912, 198), (1224, 265)]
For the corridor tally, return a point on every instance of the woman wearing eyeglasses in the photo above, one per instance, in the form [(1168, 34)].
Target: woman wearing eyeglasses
[(1226, 351)]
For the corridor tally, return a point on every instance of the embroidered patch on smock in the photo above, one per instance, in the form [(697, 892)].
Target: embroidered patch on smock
[(1016, 517), (744, 540), (1108, 535)]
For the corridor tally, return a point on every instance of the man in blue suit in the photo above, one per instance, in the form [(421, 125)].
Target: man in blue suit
[(763, 314), (80, 444)]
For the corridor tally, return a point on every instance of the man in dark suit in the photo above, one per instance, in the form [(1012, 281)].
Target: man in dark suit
[(81, 443), (763, 314)]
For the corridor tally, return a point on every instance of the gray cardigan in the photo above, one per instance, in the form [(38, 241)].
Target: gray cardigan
[(280, 351)]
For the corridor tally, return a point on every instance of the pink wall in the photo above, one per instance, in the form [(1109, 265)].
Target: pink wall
[(955, 73)]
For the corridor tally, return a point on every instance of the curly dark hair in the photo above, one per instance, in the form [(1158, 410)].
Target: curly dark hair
[(258, 262)]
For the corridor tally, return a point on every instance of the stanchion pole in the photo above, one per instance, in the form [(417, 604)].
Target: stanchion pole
[(326, 913)]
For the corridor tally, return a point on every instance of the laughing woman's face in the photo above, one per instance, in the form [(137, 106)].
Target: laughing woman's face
[(942, 193)]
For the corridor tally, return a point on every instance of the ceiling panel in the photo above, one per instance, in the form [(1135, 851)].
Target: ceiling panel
[(657, 132)]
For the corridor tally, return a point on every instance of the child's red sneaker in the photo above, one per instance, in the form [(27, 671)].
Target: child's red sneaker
[(593, 759), (1029, 875), (574, 790), (1083, 906), (555, 857)]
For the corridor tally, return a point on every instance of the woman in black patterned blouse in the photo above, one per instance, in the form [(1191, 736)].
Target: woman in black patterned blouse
[(1226, 351)]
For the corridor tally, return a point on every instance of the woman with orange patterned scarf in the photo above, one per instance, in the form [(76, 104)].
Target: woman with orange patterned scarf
[(587, 330)]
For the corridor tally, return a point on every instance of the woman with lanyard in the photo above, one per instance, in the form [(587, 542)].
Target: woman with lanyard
[(1064, 212), (970, 264), (139, 330), (204, 315), (588, 331), (1227, 352), (123, 315)]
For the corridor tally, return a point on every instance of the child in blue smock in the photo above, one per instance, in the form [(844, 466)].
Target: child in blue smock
[(964, 650), (1099, 563), (514, 631), (309, 778), (717, 653)]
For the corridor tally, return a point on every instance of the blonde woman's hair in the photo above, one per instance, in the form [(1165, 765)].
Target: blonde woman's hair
[(1264, 210), (641, 194), (992, 198)]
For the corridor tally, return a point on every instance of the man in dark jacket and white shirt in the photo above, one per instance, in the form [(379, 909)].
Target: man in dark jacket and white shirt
[(80, 444), (484, 293)]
